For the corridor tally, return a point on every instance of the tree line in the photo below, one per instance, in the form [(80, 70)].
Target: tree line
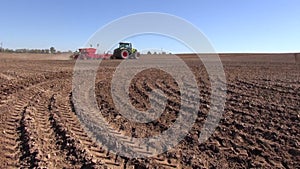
[(51, 50)]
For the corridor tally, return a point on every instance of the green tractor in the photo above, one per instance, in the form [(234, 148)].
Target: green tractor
[(125, 51)]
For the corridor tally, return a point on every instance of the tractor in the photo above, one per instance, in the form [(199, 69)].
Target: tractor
[(125, 51)]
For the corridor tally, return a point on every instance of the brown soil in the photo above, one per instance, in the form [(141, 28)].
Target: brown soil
[(260, 127)]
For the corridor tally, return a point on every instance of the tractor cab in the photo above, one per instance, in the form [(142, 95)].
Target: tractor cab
[(125, 45)]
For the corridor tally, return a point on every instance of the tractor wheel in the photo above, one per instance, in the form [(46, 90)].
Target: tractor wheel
[(124, 54), (134, 56)]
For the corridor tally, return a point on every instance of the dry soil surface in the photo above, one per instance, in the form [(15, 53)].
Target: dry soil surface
[(260, 127)]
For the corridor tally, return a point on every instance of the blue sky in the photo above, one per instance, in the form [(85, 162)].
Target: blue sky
[(231, 25)]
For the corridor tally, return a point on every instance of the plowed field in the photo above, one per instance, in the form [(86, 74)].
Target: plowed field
[(260, 127)]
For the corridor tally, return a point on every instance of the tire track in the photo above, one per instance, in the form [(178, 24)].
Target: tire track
[(95, 152), (27, 134), (41, 141), (165, 163), (10, 130), (158, 160)]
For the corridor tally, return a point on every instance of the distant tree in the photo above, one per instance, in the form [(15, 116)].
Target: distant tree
[(148, 53), (155, 53), (8, 50), (52, 50)]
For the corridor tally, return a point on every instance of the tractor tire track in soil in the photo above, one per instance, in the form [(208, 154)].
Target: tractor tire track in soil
[(27, 128)]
